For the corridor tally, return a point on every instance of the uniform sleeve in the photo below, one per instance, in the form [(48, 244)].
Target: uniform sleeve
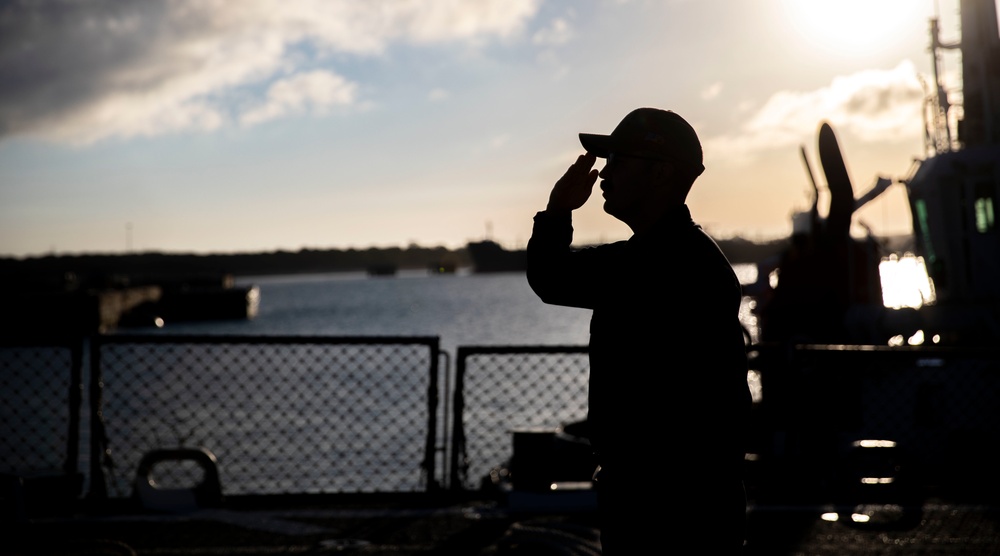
[(557, 273)]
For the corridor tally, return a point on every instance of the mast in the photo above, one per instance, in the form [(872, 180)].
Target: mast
[(938, 136), (979, 123)]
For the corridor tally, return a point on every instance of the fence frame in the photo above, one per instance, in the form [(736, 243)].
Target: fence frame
[(789, 371), (776, 363), (458, 466), (100, 452)]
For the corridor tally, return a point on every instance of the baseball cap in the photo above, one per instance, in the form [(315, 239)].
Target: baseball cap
[(650, 133)]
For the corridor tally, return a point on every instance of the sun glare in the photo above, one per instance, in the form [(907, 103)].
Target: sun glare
[(905, 282), (849, 27)]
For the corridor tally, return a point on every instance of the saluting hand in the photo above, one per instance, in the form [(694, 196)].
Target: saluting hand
[(574, 187)]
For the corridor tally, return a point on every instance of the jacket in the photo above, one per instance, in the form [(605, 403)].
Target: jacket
[(668, 365)]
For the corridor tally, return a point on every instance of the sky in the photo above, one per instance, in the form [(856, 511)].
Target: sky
[(201, 126)]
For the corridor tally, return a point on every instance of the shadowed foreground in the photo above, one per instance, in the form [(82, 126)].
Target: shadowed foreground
[(412, 526)]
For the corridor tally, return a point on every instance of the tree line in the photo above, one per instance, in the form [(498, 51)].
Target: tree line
[(125, 269)]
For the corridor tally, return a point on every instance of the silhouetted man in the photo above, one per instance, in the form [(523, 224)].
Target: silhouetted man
[(668, 394)]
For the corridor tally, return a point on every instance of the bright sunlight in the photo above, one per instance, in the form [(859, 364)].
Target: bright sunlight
[(850, 27), (905, 282)]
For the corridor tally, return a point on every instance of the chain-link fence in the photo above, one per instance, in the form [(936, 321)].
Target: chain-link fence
[(40, 427), (294, 415), (937, 407), (502, 390), (40, 385), (283, 415)]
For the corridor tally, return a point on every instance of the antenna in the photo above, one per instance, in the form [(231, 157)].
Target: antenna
[(809, 171), (814, 211), (939, 129)]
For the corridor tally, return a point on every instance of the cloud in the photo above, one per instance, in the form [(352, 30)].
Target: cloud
[(438, 95), (499, 141), (559, 32), (79, 72), (444, 20), (874, 105), (316, 89), (712, 91)]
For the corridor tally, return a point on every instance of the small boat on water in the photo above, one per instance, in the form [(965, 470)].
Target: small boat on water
[(193, 302), (382, 269), (442, 267), (85, 305), (489, 256)]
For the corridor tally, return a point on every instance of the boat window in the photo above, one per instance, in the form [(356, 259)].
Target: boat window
[(921, 209), (985, 214)]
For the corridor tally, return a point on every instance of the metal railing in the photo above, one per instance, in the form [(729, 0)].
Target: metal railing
[(41, 389), (299, 415), (939, 408), (499, 390), (283, 414)]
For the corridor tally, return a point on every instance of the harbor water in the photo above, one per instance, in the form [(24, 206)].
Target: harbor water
[(462, 309), (152, 402)]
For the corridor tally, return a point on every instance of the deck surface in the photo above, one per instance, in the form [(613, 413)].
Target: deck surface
[(486, 527)]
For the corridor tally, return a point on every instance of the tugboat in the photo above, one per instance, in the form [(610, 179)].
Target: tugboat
[(849, 414), (953, 193), (828, 285)]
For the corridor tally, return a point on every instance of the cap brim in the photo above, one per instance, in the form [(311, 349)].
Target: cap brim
[(597, 145)]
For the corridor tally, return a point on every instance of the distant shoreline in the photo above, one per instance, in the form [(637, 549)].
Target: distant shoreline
[(107, 270)]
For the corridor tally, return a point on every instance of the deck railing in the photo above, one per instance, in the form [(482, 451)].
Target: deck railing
[(937, 409), (283, 415), (40, 420), (301, 415), (500, 390)]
